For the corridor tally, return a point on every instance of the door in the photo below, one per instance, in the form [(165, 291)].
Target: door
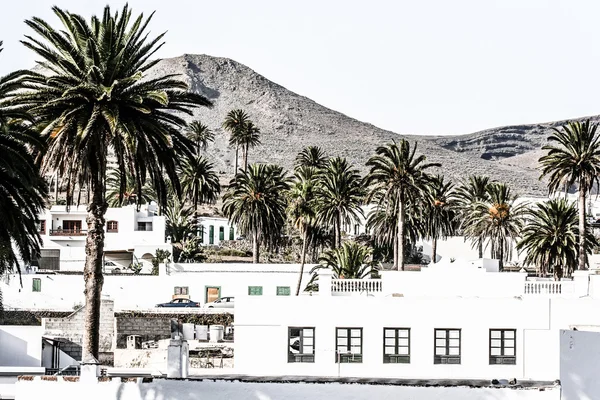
[(212, 293), (211, 235), (70, 226)]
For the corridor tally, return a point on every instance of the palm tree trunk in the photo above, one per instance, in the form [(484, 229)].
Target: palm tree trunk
[(302, 259), (400, 262), (337, 240), (501, 258), (236, 160), (480, 248), (92, 275), (246, 158), (582, 213), (255, 249), (434, 250)]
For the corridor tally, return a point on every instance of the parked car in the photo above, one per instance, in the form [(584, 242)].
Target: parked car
[(180, 303), (223, 302)]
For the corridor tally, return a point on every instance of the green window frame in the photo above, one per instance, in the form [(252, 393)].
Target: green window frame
[(301, 344), (231, 234), (254, 290), (211, 234), (503, 346), (36, 285), (396, 345), (447, 343), (221, 233), (283, 290), (201, 234), (348, 345)]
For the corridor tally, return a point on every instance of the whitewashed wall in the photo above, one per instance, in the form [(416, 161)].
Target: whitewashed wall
[(216, 223), (20, 346), (579, 355)]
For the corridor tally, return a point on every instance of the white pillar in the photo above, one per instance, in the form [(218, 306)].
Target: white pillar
[(325, 277), (178, 359)]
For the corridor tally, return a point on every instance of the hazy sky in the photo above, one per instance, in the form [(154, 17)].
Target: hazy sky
[(415, 66)]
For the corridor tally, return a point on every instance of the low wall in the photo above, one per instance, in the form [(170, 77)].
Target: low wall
[(20, 346), (208, 390), (579, 355)]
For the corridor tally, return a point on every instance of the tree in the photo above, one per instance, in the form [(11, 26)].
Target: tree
[(338, 196), (22, 190), (302, 209), (550, 238), (311, 156), (200, 134), (499, 220), (439, 213), (396, 177), (199, 181), (116, 197), (93, 100), (256, 203), (574, 158), (248, 138), (235, 123), (469, 193)]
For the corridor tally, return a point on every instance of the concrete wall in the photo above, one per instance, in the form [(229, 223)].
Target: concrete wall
[(217, 390), (146, 328), (20, 346), (579, 355)]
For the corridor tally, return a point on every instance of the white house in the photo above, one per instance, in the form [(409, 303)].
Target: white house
[(214, 230), (131, 236)]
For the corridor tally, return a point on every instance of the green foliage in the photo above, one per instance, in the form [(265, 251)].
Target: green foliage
[(468, 194), (136, 267), (161, 256), (200, 134), (312, 157), (199, 181)]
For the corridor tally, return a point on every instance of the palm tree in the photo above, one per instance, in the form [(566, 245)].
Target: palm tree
[(338, 196), (180, 221), (550, 238), (118, 196), (499, 220), (574, 158), (474, 190), (199, 181), (439, 213), (234, 123), (397, 176), (256, 203), (249, 138), (200, 134), (93, 101), (22, 190), (311, 156), (302, 211)]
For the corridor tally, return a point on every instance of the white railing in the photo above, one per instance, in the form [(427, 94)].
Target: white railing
[(356, 285), (555, 288)]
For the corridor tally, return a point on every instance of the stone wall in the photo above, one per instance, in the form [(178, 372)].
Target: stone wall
[(69, 330), (146, 328)]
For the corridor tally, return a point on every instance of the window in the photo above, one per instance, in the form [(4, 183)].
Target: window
[(447, 346), (201, 234), (112, 226), (145, 226), (301, 342), (348, 345), (503, 346), (221, 233), (255, 290), (43, 227), (231, 235), (283, 290), (182, 290), (211, 234), (396, 345), (71, 226), (37, 285)]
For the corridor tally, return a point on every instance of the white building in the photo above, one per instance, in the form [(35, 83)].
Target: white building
[(131, 236), (214, 230)]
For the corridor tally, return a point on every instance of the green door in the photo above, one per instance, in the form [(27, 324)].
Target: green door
[(211, 235), (231, 236), (221, 233)]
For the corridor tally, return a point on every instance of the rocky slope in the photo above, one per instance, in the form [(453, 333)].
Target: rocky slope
[(289, 122)]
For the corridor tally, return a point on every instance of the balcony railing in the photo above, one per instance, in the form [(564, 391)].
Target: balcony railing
[(356, 285), (553, 288), (68, 232)]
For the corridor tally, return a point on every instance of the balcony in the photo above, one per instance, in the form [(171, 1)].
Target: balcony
[(68, 232)]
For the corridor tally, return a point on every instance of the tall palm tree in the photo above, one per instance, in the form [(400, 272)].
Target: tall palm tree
[(338, 196), (302, 211), (22, 190), (255, 201), (574, 158), (551, 236), (499, 220), (311, 156), (396, 176), (199, 181), (200, 134), (249, 138), (439, 213), (93, 101), (234, 123), (469, 193), (116, 197)]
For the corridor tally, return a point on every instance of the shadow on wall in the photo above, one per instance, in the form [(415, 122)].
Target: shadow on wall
[(14, 352)]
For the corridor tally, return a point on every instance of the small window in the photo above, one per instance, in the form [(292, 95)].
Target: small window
[(37, 285), (231, 235), (301, 345), (283, 290), (396, 345), (182, 290), (145, 226), (43, 227), (221, 233), (211, 234), (348, 345), (502, 346), (255, 290), (112, 226), (201, 234), (447, 346)]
